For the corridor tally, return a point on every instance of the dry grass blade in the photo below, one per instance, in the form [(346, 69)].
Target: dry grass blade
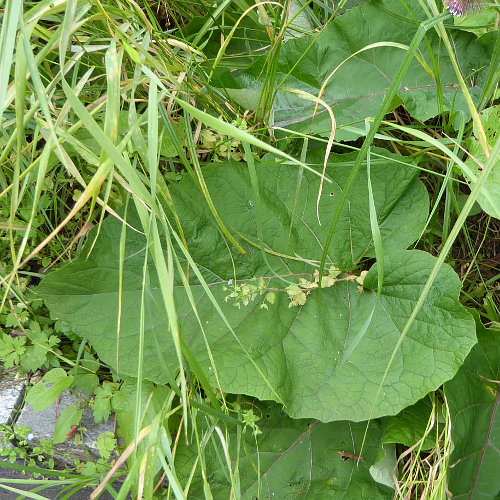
[(121, 460)]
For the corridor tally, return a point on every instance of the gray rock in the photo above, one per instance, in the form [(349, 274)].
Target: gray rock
[(11, 395), (43, 426)]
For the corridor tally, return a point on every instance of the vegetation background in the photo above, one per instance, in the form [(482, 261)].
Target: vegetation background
[(264, 235)]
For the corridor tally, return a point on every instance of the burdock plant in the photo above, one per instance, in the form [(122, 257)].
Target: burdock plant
[(463, 7)]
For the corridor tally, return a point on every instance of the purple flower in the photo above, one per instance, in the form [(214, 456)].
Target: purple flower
[(462, 7)]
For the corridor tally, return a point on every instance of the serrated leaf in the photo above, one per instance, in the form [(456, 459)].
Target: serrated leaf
[(36, 354), (45, 392), (102, 402), (299, 349), (298, 459), (34, 358), (106, 443), (473, 397), (11, 349)]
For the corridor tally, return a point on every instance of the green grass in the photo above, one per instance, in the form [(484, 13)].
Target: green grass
[(93, 94)]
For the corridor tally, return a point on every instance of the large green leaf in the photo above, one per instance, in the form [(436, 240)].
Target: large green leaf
[(409, 426), (473, 397), (358, 87), (290, 222), (299, 351), (298, 459)]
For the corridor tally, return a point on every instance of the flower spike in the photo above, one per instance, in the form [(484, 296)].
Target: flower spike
[(463, 7)]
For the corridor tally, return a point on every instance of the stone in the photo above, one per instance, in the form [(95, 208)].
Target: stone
[(43, 424), (11, 395)]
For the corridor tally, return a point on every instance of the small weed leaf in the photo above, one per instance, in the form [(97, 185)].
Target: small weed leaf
[(102, 401), (106, 443), (244, 294), (12, 349), (45, 392)]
